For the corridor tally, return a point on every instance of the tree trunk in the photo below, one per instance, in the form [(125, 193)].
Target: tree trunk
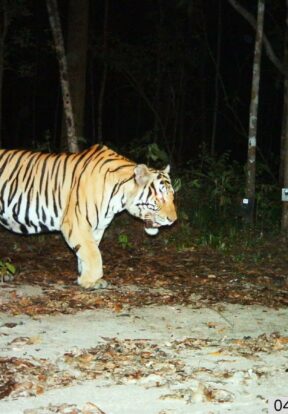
[(284, 136), (66, 95), (77, 46), (104, 74), (252, 140)]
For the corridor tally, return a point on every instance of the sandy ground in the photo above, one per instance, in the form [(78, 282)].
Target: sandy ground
[(193, 359)]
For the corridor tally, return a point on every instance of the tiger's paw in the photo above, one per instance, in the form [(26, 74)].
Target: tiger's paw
[(92, 284), (100, 284)]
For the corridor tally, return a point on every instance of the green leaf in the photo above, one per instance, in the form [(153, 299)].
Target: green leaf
[(10, 267), (177, 184)]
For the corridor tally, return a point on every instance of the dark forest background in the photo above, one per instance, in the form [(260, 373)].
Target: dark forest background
[(166, 81), (165, 50)]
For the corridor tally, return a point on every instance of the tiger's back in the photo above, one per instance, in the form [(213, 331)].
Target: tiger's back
[(35, 187)]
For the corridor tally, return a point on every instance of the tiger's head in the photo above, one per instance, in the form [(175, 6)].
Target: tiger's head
[(154, 199)]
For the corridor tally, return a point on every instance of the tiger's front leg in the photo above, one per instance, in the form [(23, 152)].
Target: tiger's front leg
[(82, 242), (90, 259)]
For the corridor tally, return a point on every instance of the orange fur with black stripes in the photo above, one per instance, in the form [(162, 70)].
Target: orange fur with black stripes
[(79, 194)]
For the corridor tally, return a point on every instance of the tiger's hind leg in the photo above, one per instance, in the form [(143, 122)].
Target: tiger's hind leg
[(81, 240)]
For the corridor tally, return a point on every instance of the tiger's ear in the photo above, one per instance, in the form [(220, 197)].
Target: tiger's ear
[(167, 169), (142, 174)]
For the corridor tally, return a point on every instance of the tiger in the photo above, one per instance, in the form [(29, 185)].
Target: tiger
[(78, 194)]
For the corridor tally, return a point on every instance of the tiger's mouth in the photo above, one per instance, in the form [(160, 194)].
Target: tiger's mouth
[(151, 224), (151, 227)]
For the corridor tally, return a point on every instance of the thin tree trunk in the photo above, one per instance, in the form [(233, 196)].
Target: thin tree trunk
[(59, 46), (284, 134), (77, 46), (252, 140), (216, 84), (104, 74)]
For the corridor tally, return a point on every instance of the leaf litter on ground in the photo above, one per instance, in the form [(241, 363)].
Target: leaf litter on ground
[(144, 276)]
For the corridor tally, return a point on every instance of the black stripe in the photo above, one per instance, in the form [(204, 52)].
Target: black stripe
[(97, 159), (46, 189), (43, 215), (13, 190), (2, 191), (64, 169), (86, 164), (122, 167), (5, 162), (30, 160), (80, 158), (23, 229), (27, 220), (43, 228), (37, 206), (97, 216), (59, 197), (54, 204), (15, 169), (43, 169), (16, 209), (108, 161), (110, 198), (55, 163), (87, 215)]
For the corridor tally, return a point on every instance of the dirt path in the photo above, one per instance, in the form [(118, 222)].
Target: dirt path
[(176, 332), (153, 359)]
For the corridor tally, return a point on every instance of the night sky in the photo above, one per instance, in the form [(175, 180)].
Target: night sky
[(32, 106)]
